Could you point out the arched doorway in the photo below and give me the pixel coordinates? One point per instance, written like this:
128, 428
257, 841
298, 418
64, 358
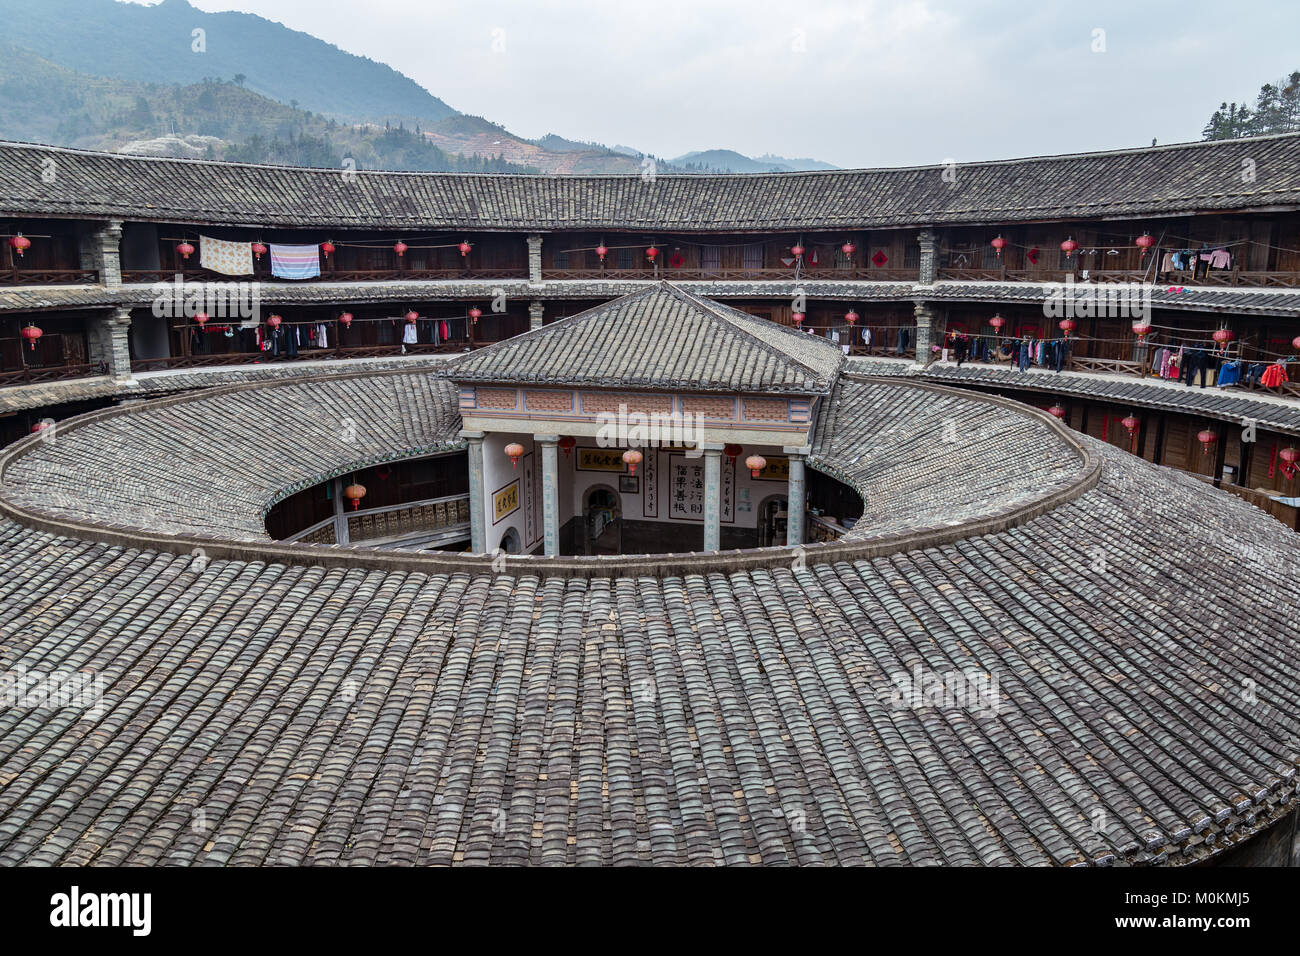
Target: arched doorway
603, 521
510, 541
772, 516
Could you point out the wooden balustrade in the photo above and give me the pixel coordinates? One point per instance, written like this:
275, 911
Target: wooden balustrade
1084, 363
151, 276
52, 373
419, 523
737, 275
49, 277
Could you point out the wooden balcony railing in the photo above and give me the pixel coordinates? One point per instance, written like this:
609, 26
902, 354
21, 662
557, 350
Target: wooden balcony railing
737, 275
413, 524
305, 355
1082, 363
51, 373
150, 276
49, 277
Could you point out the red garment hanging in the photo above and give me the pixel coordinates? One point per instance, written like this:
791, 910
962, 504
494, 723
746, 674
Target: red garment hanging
1274, 375
446, 330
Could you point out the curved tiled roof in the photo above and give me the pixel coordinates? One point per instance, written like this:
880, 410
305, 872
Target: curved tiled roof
286, 712
663, 338
214, 463
1181, 178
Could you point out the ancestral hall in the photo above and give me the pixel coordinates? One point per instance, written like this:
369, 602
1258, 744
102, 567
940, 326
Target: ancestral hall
660, 391
709, 520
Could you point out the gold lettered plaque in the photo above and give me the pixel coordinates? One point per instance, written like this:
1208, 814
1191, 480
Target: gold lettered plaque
778, 469
601, 459
505, 501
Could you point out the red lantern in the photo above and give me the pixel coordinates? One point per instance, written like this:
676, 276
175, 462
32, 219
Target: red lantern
1067, 326
998, 245
1223, 336
20, 244
201, 318
1141, 330
259, 250
632, 458
732, 452
1130, 424
851, 317
755, 464
567, 442
274, 321
1207, 438
474, 315
602, 251
41, 426
797, 250
515, 451
651, 253
185, 249
997, 322
1295, 342
327, 248
400, 248
797, 318
1289, 455
345, 320
354, 493
464, 247
1068, 247
412, 317
1056, 411
1145, 242
848, 249
31, 333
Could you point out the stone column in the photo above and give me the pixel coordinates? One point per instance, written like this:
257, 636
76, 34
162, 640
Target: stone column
925, 324
101, 250
550, 493
535, 260
796, 500
535, 312
477, 503
109, 342
712, 497
929, 241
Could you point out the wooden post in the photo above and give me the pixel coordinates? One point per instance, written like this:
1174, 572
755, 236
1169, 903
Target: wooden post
1243, 463
1219, 456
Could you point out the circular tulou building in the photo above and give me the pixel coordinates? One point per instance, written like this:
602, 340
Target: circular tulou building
585, 528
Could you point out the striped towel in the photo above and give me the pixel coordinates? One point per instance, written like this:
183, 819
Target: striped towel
295, 262
226, 257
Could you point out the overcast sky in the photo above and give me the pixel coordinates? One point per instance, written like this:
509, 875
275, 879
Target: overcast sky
880, 82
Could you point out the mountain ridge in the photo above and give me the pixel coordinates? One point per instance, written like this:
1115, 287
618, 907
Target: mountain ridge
170, 79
